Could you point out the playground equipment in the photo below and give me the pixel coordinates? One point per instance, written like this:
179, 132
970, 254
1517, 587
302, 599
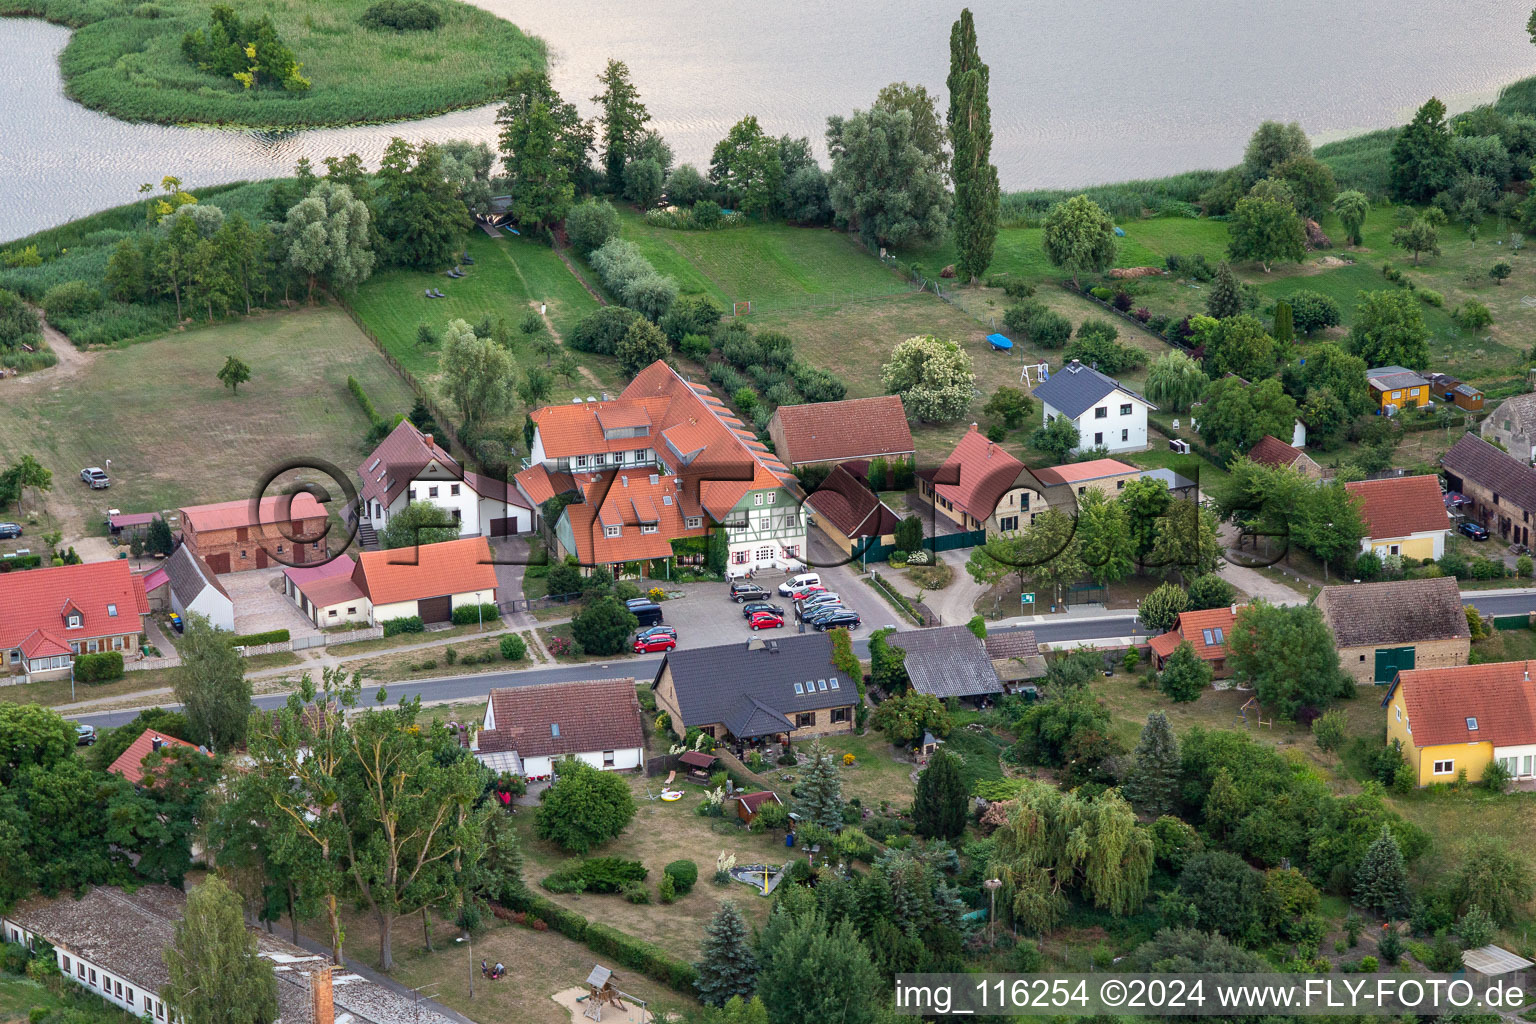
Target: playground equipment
603, 990
1042, 372
1252, 704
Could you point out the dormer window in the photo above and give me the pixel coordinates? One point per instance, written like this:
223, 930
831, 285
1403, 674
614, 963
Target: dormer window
612, 531
694, 522
72, 621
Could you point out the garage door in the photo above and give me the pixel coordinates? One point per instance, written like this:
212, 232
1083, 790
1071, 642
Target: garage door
435, 609
1392, 660
220, 562
504, 527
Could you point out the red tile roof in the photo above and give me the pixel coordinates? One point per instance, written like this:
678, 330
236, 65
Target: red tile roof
577, 429
130, 763
594, 715
753, 801
1271, 451
1193, 626
859, 428
982, 473
1499, 696
1399, 506
1080, 472
228, 515
43, 643
327, 584
843, 501
398, 460
539, 484
426, 570
35, 599
626, 498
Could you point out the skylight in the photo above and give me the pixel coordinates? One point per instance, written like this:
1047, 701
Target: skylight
112, 610
1472, 725
799, 688
821, 684
1209, 640
834, 682
554, 728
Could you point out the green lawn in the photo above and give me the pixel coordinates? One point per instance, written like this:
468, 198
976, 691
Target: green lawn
775, 266
510, 277
20, 996
176, 436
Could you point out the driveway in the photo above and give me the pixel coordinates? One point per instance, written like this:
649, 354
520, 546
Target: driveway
260, 605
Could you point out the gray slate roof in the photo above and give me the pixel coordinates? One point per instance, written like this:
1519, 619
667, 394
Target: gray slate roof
711, 682
1472, 458
1394, 612
1386, 378
1075, 388
754, 718
947, 661
190, 576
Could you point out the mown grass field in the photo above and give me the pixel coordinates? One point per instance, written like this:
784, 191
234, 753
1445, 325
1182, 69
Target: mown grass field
176, 435
128, 62
775, 266
510, 277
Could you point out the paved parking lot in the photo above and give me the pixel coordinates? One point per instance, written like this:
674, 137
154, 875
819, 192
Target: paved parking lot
260, 605
706, 616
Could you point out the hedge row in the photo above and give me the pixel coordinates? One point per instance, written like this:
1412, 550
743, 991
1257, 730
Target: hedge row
374, 419
271, 636
636, 954
21, 562
469, 614
408, 624
99, 668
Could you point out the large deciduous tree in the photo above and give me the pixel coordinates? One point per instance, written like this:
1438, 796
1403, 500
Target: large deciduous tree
1079, 237
933, 376
1045, 554
212, 688
1236, 414
1388, 330
216, 975
584, 808
746, 168
421, 217
624, 118
478, 374
1423, 159
1185, 675
1104, 539
328, 237
1175, 381
544, 146
1266, 231
970, 133
883, 183
1288, 655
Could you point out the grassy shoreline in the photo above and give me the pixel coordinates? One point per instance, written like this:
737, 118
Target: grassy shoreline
125, 60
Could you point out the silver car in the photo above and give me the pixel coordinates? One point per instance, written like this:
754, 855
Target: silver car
816, 600
96, 477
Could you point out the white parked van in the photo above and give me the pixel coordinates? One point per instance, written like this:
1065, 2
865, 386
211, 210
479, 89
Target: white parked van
800, 582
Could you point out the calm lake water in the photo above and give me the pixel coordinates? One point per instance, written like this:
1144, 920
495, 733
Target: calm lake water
1080, 93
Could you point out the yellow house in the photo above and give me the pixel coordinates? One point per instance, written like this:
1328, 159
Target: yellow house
1455, 720
1395, 387
1403, 515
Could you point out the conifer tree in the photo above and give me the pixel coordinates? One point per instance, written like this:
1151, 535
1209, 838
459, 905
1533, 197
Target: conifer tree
727, 966
1185, 675
1149, 787
939, 809
1285, 324
970, 132
1381, 881
1226, 298
821, 790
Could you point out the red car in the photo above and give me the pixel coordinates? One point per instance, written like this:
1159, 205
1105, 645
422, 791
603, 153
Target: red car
654, 642
805, 592
766, 620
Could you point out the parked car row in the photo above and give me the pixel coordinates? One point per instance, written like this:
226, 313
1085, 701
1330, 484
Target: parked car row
814, 604
655, 638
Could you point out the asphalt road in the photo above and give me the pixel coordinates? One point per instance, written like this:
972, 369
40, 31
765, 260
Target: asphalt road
474, 687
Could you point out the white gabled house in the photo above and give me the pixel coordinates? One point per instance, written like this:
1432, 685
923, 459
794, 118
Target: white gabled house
527, 729
1107, 414
411, 466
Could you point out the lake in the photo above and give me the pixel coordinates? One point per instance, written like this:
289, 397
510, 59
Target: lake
1080, 93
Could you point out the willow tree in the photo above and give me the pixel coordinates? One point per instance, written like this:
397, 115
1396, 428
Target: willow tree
970, 134
1055, 841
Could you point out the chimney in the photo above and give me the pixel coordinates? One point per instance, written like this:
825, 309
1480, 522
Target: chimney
320, 996
756, 644
973, 426
1234, 609
427, 438
155, 743
625, 479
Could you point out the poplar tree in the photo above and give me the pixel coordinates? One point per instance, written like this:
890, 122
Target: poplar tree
726, 964
1150, 785
938, 811
216, 975
970, 133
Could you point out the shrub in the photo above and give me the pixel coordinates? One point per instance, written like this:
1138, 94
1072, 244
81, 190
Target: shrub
1313, 311
72, 299
1328, 730
632, 279
601, 330
469, 614
402, 16
591, 224
408, 624
513, 648
684, 875
1101, 293
641, 956
99, 668
1430, 297
666, 891
595, 874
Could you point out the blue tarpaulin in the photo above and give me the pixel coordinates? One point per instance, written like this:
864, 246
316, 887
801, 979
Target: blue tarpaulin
1119, 232
999, 342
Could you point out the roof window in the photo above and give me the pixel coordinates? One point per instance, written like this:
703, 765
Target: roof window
800, 688
112, 610
834, 682
554, 729
1472, 725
